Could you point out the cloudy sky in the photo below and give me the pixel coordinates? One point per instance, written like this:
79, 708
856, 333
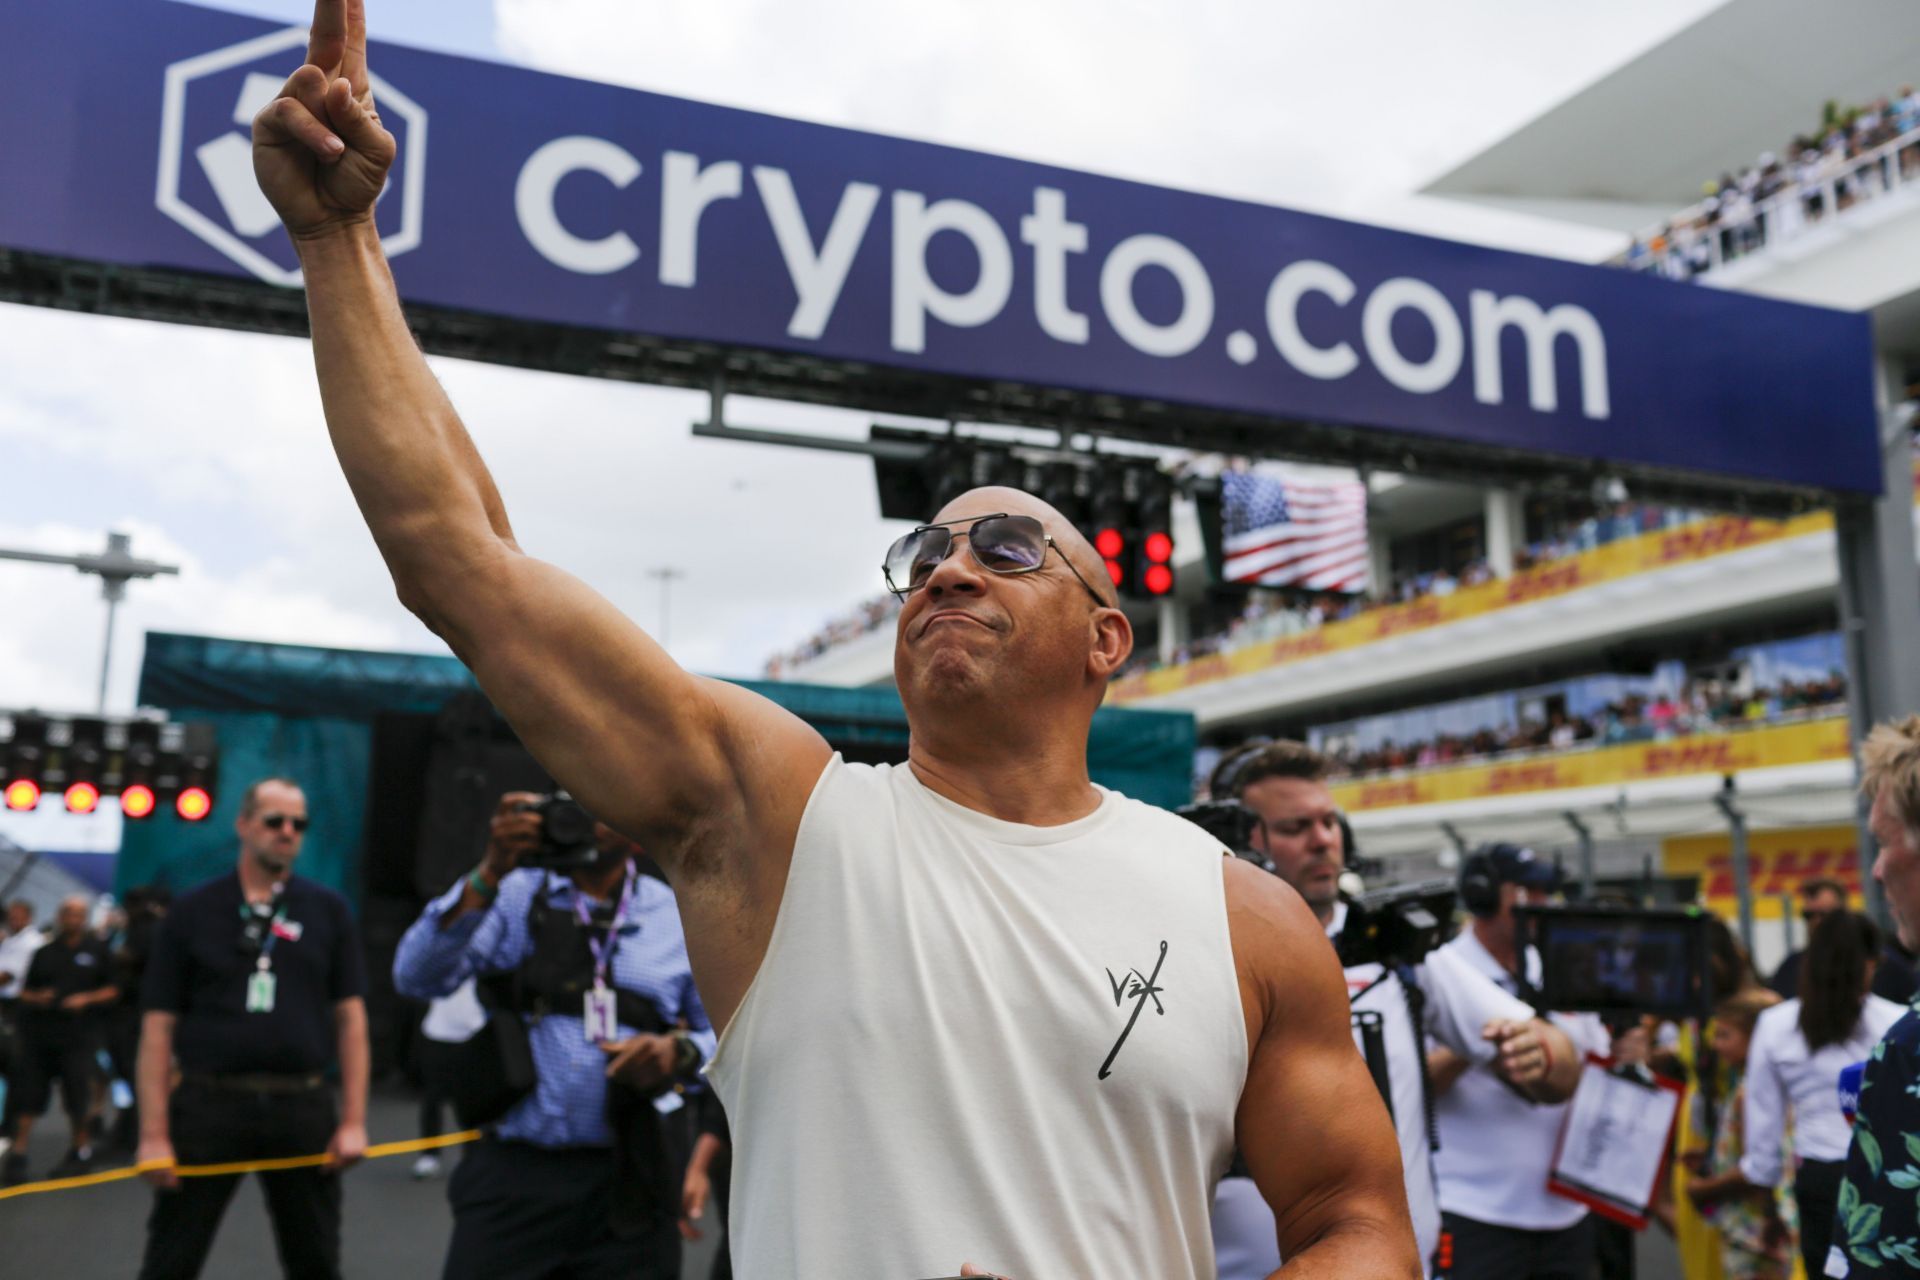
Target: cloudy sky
115, 424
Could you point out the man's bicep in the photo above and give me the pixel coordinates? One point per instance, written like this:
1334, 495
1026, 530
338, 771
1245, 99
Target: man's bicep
1317, 1138
611, 716
1312, 1127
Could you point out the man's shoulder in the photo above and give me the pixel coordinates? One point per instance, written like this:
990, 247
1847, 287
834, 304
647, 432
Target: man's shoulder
1270, 923
311, 892
213, 891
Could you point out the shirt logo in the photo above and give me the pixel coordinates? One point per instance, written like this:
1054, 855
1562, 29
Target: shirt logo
288, 929
1132, 985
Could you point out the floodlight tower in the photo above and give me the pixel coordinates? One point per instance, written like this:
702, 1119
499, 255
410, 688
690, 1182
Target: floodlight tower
115, 568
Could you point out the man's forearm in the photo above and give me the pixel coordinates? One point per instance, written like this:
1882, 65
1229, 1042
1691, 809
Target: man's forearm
413, 469
1354, 1249
152, 1072
1563, 1076
1444, 1066
350, 1023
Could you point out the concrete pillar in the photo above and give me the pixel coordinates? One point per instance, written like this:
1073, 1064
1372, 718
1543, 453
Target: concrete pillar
1880, 601
1506, 530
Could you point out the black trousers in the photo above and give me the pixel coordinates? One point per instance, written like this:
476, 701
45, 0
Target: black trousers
48, 1053
522, 1212
216, 1125
1816, 1186
1484, 1251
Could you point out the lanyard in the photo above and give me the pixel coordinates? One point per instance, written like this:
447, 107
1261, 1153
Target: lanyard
264, 960
603, 947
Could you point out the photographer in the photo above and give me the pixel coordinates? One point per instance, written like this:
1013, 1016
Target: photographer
1496, 1148
1299, 833
576, 1177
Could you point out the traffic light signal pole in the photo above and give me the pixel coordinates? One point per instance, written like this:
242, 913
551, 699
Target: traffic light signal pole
115, 568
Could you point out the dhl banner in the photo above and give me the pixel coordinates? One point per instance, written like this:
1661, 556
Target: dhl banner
1778, 863
1805, 742
1682, 544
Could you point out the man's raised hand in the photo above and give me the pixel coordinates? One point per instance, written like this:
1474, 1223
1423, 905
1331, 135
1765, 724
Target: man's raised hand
319, 151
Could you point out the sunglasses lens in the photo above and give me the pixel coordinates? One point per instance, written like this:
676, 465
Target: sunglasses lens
911, 559
1009, 544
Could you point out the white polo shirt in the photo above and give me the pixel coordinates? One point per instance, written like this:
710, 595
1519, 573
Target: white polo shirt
1496, 1147
1782, 1075
1458, 1004
16, 953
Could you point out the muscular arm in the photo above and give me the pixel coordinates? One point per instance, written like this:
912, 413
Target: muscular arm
1311, 1125
598, 703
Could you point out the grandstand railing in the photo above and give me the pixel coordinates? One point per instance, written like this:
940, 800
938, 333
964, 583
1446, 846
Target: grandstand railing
1779, 219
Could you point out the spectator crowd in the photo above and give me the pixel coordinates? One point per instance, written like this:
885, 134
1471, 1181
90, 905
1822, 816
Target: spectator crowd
1823, 172
1702, 707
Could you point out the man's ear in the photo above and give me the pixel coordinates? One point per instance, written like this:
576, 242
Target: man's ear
1112, 643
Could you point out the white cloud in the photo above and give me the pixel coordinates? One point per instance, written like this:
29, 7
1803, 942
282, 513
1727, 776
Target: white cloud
1337, 108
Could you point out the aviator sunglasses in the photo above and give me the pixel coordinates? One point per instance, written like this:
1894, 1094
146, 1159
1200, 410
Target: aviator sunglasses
274, 821
999, 543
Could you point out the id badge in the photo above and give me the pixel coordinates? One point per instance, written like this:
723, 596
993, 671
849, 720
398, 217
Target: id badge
602, 1025
260, 991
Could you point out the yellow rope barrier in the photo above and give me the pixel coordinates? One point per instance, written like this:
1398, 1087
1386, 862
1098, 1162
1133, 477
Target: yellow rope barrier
374, 1152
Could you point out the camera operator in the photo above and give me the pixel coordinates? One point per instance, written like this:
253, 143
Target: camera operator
1500, 1222
1299, 833
577, 1176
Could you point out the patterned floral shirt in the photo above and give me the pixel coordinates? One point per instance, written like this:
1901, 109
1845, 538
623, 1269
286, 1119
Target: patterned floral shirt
1877, 1229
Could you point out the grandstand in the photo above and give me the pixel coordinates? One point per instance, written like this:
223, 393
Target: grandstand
1532, 665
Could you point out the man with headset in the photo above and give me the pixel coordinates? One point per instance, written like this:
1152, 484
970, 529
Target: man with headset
1500, 1221
1300, 833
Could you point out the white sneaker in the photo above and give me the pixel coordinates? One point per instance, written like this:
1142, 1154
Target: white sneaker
427, 1166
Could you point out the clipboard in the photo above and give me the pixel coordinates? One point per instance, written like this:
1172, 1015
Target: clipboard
1616, 1141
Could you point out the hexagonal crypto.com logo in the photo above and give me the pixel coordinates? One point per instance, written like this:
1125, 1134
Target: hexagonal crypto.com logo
206, 154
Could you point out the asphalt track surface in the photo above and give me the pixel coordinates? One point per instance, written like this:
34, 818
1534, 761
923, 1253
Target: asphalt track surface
391, 1225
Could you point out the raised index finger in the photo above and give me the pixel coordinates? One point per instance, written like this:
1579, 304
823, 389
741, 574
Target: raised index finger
337, 41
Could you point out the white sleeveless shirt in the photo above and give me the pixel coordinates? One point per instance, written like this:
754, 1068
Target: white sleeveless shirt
977, 1040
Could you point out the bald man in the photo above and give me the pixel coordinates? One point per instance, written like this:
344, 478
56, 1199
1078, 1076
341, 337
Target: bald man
69, 983
978, 1012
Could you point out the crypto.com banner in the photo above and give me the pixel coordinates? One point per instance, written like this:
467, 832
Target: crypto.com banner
558, 200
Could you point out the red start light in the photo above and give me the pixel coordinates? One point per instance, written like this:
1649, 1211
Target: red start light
1159, 579
1159, 547
193, 804
136, 801
1108, 543
83, 797
22, 794
1115, 572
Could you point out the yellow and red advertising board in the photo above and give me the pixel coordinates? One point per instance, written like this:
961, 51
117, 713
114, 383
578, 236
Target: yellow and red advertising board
1779, 862
1683, 544
1803, 742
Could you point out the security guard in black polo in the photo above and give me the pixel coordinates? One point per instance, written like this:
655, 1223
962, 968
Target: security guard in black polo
256, 985
69, 982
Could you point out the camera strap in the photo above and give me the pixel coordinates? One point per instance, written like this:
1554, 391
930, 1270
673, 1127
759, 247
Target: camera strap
601, 1021
1417, 1010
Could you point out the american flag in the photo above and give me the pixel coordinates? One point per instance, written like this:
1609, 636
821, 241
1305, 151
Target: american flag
1282, 533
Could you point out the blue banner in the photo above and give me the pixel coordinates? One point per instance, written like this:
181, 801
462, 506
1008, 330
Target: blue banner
549, 199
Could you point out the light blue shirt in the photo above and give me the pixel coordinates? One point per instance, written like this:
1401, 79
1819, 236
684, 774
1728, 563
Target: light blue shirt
568, 1106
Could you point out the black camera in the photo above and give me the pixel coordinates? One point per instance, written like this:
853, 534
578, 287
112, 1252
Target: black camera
1229, 822
1614, 960
566, 834
1397, 925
